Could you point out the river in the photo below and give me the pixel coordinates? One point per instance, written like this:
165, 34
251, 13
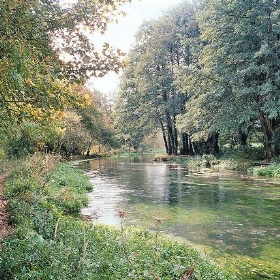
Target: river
232, 217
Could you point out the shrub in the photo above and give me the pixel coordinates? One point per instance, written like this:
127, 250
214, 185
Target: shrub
272, 170
243, 152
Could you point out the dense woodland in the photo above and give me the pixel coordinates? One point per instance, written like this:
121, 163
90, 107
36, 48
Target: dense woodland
47, 56
204, 75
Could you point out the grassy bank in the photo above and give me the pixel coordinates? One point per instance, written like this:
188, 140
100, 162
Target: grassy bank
272, 170
264, 169
51, 242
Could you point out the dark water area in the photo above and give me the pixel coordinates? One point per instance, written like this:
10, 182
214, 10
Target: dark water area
233, 217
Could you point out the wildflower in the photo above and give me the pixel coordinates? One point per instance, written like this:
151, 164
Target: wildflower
159, 220
122, 214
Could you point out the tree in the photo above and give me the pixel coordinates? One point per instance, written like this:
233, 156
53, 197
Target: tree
75, 139
149, 99
128, 115
96, 118
43, 48
28, 137
240, 62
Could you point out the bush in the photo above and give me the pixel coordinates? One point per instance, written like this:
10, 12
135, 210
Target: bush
83, 252
206, 160
272, 170
243, 153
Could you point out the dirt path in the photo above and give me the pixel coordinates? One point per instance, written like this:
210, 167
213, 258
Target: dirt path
5, 228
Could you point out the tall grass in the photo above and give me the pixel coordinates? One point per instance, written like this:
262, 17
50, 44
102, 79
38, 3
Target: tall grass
272, 170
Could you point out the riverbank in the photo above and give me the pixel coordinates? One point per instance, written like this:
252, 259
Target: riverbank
5, 228
227, 213
50, 241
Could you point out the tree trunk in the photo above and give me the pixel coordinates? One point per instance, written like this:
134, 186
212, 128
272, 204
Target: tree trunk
169, 144
210, 146
172, 135
276, 142
175, 139
243, 137
164, 137
196, 147
185, 144
267, 136
187, 147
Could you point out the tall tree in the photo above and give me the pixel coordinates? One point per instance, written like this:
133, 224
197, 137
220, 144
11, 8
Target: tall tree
43, 47
127, 112
96, 118
148, 83
241, 64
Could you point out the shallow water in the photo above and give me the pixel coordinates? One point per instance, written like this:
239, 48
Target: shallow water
230, 216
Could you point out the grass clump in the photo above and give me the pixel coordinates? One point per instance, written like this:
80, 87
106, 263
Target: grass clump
50, 241
272, 170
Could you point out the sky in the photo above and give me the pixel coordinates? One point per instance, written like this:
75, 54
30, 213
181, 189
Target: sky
121, 35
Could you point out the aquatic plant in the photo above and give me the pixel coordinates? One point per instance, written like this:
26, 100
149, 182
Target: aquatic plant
272, 170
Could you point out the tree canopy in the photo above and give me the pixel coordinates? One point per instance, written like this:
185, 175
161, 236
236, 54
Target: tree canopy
149, 100
46, 50
44, 46
241, 63
205, 71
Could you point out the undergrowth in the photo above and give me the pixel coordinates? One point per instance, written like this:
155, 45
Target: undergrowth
272, 170
50, 241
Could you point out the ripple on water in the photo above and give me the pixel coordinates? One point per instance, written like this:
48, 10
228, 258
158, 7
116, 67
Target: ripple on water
105, 201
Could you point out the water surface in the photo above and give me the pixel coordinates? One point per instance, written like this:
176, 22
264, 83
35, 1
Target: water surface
230, 216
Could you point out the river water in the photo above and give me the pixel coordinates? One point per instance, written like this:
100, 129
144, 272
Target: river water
230, 216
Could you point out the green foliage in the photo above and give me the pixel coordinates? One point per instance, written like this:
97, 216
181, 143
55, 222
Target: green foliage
44, 51
48, 243
67, 193
272, 170
73, 133
239, 158
149, 101
65, 190
35, 71
97, 252
243, 153
204, 161
240, 67
21, 140
75, 139
96, 117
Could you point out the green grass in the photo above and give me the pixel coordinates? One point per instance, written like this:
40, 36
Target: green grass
272, 170
50, 241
